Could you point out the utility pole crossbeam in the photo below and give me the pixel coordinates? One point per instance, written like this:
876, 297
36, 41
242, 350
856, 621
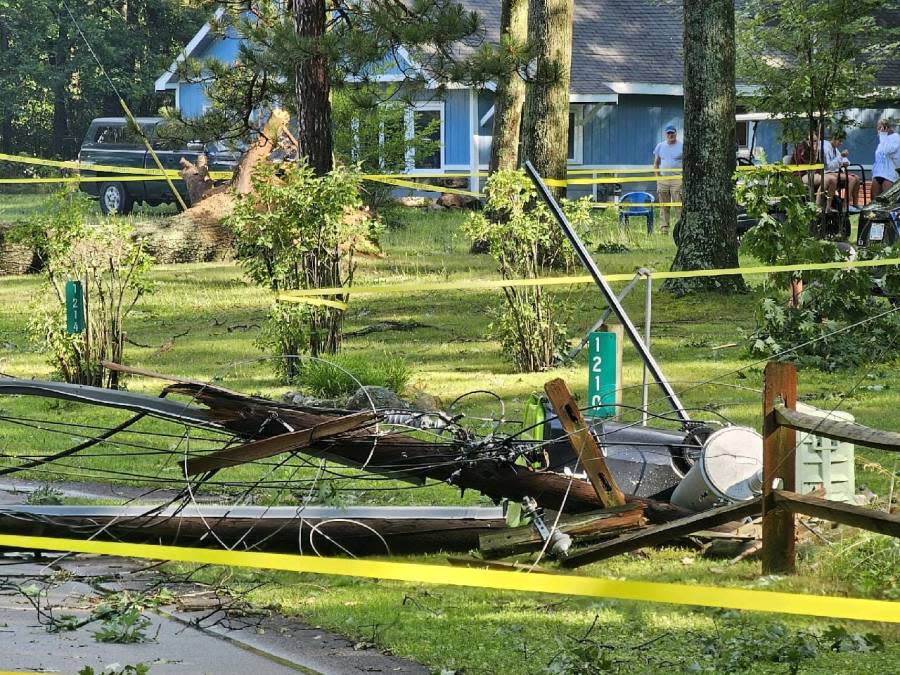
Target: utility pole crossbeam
585, 445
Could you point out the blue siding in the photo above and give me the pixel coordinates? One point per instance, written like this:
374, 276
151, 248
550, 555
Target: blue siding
192, 96
485, 131
626, 132
861, 138
456, 127
192, 99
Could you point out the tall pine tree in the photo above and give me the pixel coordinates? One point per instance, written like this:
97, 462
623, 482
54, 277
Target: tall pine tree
510, 93
546, 116
707, 235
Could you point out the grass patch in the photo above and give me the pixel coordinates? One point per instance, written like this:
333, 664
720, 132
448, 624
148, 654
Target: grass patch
342, 374
202, 322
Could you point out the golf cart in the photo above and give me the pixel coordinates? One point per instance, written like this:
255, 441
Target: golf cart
879, 222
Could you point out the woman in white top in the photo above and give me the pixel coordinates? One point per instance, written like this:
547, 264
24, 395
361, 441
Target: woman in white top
887, 158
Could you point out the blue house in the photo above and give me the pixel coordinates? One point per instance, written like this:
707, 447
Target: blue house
626, 87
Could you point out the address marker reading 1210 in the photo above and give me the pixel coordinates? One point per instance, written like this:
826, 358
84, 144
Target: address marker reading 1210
602, 382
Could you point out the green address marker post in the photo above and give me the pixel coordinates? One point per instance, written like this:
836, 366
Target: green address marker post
74, 307
603, 374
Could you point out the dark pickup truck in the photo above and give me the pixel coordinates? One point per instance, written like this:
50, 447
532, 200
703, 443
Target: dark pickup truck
113, 141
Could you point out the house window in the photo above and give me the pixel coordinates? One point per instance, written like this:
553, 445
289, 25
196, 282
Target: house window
575, 145
425, 122
742, 134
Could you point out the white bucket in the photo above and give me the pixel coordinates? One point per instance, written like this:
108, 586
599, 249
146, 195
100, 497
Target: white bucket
724, 473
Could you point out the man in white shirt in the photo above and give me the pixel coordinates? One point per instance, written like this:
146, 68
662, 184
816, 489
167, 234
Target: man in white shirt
887, 158
834, 158
668, 155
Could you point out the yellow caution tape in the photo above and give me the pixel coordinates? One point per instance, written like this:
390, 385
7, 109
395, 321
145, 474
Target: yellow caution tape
106, 168
81, 179
318, 302
856, 609
423, 187
482, 284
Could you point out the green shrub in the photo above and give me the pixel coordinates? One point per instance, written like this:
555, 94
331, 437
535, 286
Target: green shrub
808, 326
114, 270
342, 374
297, 231
520, 234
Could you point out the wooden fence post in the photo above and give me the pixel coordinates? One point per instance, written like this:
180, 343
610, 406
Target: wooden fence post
779, 444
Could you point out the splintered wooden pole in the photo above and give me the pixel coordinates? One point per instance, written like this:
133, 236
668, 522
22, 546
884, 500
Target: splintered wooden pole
779, 443
589, 454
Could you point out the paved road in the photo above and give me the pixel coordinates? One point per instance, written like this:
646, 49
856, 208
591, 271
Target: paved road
74, 586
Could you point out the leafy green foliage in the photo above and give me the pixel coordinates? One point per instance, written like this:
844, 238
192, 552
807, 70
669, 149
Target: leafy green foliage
372, 128
45, 495
296, 231
815, 330
519, 233
363, 39
126, 627
117, 669
804, 56
343, 374
114, 270
50, 86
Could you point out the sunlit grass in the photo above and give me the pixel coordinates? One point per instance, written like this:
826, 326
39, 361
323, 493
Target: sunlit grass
454, 628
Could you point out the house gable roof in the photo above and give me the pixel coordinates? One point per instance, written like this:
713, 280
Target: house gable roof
619, 47
168, 80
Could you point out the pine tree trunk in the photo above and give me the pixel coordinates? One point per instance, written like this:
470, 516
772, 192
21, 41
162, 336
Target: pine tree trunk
6, 129
510, 94
546, 124
60, 128
707, 234
312, 85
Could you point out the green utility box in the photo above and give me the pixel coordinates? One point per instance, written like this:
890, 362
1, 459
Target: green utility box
823, 461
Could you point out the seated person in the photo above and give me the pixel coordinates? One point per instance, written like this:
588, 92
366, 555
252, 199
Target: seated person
804, 153
887, 158
834, 158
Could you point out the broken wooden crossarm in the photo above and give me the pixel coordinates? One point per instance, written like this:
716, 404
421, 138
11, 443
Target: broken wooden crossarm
665, 533
582, 528
589, 454
267, 447
839, 430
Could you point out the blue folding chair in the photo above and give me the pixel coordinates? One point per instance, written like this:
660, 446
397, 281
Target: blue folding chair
640, 211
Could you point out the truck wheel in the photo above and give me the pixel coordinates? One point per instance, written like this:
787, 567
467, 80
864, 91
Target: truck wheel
114, 198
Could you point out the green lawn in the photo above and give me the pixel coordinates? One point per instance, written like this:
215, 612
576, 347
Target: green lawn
216, 315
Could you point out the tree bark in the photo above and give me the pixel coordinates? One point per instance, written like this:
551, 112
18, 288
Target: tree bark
546, 124
510, 94
312, 86
60, 129
707, 232
6, 114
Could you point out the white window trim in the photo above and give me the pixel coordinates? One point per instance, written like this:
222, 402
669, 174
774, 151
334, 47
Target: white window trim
577, 111
410, 134
746, 123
